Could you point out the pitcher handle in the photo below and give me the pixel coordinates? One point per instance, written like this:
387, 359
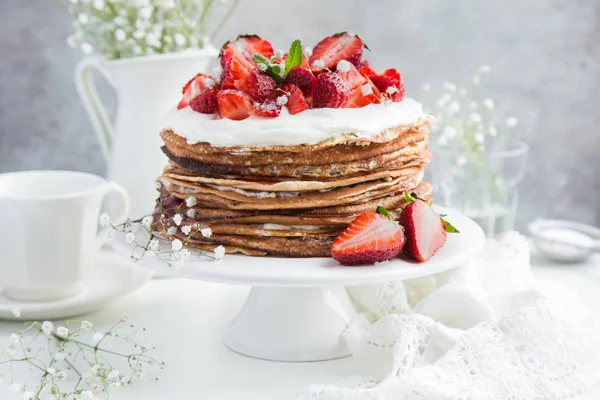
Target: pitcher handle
122, 210
91, 101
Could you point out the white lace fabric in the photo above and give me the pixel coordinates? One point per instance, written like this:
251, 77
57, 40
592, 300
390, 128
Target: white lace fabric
486, 331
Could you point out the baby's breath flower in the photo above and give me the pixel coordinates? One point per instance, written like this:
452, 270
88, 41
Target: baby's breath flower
16, 312
319, 64
62, 331
185, 254
366, 89
16, 339
47, 327
476, 80
282, 100
219, 252
15, 387
104, 219
176, 245
27, 395
450, 131
129, 237
86, 325
51, 371
461, 160
475, 117
493, 131
186, 229
177, 219
343, 66
147, 221
206, 232
60, 356
511, 122
191, 213
217, 71
153, 245
83, 19
171, 230
97, 337
87, 395
473, 105
120, 35
453, 108
479, 137
98, 5
489, 104
308, 51
113, 374
442, 140
87, 48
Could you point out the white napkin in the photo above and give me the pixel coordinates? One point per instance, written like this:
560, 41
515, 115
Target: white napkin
485, 331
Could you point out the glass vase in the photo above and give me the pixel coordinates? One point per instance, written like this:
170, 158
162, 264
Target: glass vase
482, 185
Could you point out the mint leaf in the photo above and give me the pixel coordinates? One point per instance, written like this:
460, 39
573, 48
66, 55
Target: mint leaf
381, 210
294, 57
449, 227
266, 66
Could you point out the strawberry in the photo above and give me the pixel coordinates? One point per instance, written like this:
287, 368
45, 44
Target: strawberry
425, 232
194, 87
243, 48
389, 82
296, 100
206, 102
236, 58
330, 91
361, 97
352, 77
302, 78
332, 49
371, 237
257, 85
269, 108
363, 63
233, 104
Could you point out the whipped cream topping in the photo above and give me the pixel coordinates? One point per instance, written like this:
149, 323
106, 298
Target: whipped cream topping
308, 127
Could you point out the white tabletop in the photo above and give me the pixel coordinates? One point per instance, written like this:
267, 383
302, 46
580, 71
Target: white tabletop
185, 320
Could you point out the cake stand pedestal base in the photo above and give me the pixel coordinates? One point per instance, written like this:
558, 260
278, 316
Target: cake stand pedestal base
292, 324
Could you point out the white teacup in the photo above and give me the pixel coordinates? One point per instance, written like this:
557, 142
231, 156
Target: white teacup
49, 231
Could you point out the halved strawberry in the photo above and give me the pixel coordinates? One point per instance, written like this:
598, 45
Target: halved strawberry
236, 58
332, 49
296, 101
363, 95
206, 102
269, 108
194, 87
352, 77
371, 237
425, 232
234, 104
244, 47
302, 78
330, 91
257, 85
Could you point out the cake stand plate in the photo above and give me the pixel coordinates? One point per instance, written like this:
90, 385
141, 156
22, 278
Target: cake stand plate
298, 307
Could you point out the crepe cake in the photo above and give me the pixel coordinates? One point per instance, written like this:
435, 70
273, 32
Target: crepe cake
277, 153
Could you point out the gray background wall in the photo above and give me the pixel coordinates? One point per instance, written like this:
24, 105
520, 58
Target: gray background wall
545, 57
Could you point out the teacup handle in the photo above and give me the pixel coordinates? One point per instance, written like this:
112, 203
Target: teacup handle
91, 101
122, 209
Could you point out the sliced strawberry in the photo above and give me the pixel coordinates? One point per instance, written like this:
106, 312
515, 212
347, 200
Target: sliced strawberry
361, 97
332, 49
234, 104
269, 108
370, 238
363, 63
367, 71
194, 87
243, 48
206, 102
296, 101
352, 77
330, 91
257, 85
425, 233
234, 71
389, 82
302, 78
236, 58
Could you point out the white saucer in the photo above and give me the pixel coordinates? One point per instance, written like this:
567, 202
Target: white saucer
112, 276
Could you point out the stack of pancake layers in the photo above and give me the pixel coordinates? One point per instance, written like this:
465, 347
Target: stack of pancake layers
287, 200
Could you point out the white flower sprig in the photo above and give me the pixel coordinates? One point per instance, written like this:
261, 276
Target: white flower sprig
144, 239
465, 121
130, 28
66, 366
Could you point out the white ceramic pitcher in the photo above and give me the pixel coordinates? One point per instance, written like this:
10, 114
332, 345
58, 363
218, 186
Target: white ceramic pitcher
147, 87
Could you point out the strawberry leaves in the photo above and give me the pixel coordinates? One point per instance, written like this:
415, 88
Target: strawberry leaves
447, 225
381, 210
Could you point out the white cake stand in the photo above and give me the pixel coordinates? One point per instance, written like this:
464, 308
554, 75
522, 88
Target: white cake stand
298, 307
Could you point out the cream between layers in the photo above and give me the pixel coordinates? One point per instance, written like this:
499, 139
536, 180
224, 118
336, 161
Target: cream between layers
308, 127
